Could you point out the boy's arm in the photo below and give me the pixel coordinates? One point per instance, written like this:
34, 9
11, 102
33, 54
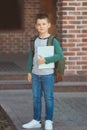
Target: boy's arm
29, 77
58, 53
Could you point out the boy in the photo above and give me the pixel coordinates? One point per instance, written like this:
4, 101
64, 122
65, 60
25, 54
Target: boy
42, 79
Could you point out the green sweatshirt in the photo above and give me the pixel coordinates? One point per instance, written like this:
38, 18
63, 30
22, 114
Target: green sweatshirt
57, 56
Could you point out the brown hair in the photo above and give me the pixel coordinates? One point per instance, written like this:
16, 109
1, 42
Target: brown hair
42, 16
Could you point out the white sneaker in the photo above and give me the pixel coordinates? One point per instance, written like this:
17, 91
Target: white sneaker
32, 124
48, 125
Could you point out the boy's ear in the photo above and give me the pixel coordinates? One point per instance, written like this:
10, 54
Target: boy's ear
49, 24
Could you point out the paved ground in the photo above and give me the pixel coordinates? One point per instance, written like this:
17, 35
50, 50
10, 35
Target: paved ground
70, 109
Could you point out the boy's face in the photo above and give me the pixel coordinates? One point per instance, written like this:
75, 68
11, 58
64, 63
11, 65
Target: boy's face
42, 25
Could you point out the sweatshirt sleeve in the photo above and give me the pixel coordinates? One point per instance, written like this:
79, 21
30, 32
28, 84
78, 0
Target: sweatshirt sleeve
58, 53
30, 61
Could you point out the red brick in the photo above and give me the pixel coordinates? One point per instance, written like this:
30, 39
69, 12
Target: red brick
84, 13
68, 8
81, 53
82, 63
81, 8
81, 35
81, 26
68, 26
84, 31
68, 36
84, 67
82, 73
84, 22
69, 45
74, 22
74, 13
74, 67
69, 53
64, 22
68, 0
84, 3
74, 49
75, 4
84, 40
84, 49
70, 63
74, 58
84, 58
74, 31
71, 73
82, 17
82, 44
74, 40
68, 17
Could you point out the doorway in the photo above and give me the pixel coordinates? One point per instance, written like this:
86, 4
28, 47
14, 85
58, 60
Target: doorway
49, 7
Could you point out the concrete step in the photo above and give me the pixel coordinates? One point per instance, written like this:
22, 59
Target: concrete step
14, 84
58, 87
13, 76
19, 81
13, 80
71, 86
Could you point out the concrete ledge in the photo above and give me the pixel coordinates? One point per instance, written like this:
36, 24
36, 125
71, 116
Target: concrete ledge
71, 87
59, 87
11, 115
71, 84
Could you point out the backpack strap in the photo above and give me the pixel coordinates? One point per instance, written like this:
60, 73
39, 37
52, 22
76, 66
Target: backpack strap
50, 40
32, 43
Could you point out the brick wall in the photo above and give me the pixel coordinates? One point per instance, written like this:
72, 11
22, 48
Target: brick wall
18, 41
72, 19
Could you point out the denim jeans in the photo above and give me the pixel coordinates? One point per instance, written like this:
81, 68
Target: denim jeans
43, 84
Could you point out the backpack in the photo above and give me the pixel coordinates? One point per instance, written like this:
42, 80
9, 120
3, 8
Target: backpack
59, 65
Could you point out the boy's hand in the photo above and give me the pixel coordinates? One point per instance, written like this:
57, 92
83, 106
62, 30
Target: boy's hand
41, 60
29, 77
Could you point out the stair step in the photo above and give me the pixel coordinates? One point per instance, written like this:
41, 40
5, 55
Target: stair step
19, 81
13, 80
7, 82
71, 84
14, 86
13, 76
71, 87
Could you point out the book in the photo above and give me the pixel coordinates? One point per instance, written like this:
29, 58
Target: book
46, 51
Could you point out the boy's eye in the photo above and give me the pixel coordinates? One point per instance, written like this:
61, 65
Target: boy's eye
41, 24
38, 24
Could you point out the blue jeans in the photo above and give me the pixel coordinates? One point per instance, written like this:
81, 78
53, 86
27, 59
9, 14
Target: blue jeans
43, 84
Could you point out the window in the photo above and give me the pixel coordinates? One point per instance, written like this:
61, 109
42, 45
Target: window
11, 14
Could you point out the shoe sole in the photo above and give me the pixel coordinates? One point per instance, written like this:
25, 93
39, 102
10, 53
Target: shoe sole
31, 127
48, 129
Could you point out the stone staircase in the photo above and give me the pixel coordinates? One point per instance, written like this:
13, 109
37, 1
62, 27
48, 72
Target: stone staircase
14, 81
13, 76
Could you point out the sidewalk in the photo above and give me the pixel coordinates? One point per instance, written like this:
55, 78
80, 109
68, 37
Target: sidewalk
70, 109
